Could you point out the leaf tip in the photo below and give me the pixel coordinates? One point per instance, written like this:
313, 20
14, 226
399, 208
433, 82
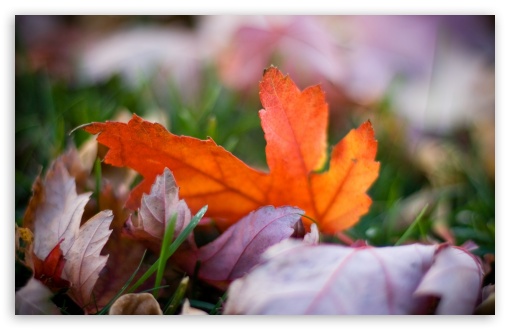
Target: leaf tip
273, 71
270, 67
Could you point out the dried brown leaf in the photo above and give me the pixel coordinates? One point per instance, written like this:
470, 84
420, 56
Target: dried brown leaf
136, 304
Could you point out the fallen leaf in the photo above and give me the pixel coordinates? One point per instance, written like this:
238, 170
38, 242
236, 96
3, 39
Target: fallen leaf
202, 179
58, 216
298, 278
294, 124
136, 304
156, 210
454, 275
226, 258
239, 248
124, 253
68, 252
35, 299
84, 262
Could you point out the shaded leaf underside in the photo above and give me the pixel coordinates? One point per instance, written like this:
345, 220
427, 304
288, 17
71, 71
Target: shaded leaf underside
297, 278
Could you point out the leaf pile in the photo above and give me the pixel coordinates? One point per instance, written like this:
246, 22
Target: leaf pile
66, 255
230, 255
267, 254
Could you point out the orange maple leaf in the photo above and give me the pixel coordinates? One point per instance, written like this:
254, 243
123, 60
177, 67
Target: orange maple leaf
294, 123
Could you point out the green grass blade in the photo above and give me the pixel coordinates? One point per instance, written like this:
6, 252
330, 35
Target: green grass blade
175, 302
155, 288
412, 227
163, 255
173, 247
219, 304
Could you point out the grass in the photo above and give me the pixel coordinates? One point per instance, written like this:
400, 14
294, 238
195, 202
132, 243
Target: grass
166, 252
408, 205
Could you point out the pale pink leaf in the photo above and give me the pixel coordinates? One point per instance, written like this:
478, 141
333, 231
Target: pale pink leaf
455, 278
35, 299
298, 278
58, 216
57, 219
157, 209
239, 248
312, 237
84, 261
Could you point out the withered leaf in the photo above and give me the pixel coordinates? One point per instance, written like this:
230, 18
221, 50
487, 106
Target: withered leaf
63, 250
35, 299
156, 210
83, 260
239, 248
298, 278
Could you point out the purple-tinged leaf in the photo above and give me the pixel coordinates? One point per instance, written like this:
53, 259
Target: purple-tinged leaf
239, 248
35, 299
67, 255
58, 215
297, 278
156, 210
83, 260
453, 278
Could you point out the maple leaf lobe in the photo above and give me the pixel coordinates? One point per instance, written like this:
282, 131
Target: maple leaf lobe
294, 124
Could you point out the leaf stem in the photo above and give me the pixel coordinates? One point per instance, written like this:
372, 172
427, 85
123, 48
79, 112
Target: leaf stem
309, 218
